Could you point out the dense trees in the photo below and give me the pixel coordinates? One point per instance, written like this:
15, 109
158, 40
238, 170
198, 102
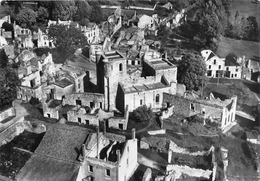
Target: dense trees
8, 81
142, 114
83, 10
43, 14
78, 10
67, 39
26, 17
243, 28
63, 10
96, 14
210, 21
191, 71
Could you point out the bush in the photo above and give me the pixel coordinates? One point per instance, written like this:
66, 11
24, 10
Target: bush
143, 114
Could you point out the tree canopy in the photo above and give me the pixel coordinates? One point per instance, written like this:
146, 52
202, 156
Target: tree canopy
191, 71
9, 81
96, 14
63, 10
67, 39
143, 114
83, 10
26, 17
242, 27
43, 14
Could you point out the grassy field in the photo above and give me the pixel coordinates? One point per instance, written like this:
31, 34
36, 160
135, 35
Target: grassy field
239, 47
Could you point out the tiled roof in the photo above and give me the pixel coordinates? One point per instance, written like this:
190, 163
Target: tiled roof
62, 142
63, 83
231, 60
42, 168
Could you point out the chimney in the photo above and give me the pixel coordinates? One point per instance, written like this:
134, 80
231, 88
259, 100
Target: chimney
118, 155
165, 55
105, 129
83, 150
133, 133
169, 156
97, 142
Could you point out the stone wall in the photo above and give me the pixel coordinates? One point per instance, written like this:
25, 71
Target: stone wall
169, 73
49, 112
26, 93
181, 89
12, 131
7, 113
179, 170
147, 175
86, 99
136, 99
99, 168
59, 92
118, 123
82, 118
167, 112
188, 107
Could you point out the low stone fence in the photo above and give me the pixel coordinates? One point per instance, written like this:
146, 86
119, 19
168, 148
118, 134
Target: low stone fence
7, 113
13, 130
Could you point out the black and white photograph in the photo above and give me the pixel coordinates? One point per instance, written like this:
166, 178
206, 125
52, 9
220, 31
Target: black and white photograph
129, 90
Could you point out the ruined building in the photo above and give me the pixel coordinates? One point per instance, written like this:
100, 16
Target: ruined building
216, 110
107, 156
134, 88
41, 78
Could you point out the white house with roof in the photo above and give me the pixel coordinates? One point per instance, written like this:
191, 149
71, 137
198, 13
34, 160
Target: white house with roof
215, 65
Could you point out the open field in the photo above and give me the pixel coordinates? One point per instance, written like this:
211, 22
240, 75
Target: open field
239, 47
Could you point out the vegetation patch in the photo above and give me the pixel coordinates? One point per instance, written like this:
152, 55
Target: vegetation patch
14, 154
238, 47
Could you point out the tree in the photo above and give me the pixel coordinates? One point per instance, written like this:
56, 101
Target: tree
251, 29
84, 22
83, 10
191, 71
43, 14
67, 39
143, 114
26, 17
9, 82
208, 23
96, 14
63, 10
3, 59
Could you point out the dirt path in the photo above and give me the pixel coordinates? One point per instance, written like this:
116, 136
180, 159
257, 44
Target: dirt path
149, 163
